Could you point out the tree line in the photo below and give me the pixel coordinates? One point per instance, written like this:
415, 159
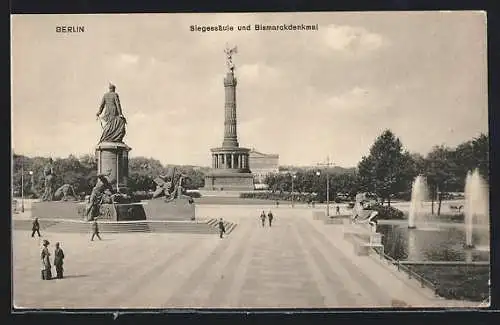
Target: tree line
389, 170
80, 172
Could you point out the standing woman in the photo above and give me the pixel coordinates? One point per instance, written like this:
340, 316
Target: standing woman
46, 267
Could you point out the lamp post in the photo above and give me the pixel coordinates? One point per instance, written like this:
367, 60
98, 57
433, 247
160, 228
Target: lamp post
32, 180
22, 186
327, 165
293, 178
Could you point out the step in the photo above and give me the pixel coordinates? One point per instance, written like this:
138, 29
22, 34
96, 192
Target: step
111, 227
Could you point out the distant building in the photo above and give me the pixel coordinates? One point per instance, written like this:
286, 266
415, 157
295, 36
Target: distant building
263, 164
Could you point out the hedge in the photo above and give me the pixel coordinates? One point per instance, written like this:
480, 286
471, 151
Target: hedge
284, 196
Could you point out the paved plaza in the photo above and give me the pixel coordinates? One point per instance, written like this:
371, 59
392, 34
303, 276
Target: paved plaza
298, 263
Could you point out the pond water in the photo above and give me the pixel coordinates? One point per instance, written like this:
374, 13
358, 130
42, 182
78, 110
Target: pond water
464, 282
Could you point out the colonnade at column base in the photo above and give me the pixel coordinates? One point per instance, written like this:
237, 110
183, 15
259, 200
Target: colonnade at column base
229, 181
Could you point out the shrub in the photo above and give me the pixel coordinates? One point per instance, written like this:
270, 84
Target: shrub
194, 194
142, 195
388, 213
277, 196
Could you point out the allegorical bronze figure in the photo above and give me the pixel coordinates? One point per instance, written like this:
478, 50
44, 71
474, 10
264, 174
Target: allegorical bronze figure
114, 127
48, 173
229, 56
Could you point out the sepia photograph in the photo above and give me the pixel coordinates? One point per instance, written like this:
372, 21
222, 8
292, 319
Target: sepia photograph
250, 160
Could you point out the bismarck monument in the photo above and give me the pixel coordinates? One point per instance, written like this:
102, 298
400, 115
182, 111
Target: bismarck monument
230, 163
110, 198
111, 151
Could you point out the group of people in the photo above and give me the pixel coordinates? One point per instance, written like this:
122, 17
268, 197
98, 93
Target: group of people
58, 252
58, 261
269, 216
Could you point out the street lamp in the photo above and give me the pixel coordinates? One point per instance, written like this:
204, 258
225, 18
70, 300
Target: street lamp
22, 186
327, 165
32, 180
293, 178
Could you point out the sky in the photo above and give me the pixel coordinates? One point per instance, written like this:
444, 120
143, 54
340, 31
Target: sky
304, 95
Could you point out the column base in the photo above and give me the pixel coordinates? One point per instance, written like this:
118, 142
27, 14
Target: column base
112, 157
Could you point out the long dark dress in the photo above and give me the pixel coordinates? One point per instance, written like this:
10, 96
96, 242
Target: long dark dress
114, 130
46, 267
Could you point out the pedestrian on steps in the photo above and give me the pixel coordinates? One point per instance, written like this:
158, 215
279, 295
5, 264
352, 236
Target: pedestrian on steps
263, 218
35, 228
222, 229
95, 230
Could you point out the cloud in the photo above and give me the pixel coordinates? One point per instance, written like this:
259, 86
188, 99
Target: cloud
330, 90
352, 39
128, 58
355, 98
258, 73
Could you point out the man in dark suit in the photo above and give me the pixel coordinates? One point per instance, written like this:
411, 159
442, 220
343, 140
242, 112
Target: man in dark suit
58, 261
270, 218
222, 229
263, 218
35, 228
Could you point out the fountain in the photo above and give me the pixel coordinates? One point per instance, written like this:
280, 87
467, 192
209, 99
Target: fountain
419, 194
476, 208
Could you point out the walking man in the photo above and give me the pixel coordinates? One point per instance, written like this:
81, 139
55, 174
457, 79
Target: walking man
95, 230
338, 210
35, 228
270, 218
45, 256
263, 218
58, 261
222, 229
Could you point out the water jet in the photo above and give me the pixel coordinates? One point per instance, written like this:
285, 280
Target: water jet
419, 194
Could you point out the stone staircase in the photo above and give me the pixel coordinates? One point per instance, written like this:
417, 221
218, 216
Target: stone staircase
228, 225
27, 224
75, 226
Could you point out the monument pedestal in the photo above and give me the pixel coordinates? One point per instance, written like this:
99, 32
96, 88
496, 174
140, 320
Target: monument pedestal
113, 157
230, 170
55, 210
221, 181
117, 212
176, 209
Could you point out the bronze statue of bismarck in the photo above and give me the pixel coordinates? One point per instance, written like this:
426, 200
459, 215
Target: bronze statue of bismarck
114, 129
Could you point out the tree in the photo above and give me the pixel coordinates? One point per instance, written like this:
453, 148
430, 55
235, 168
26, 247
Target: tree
473, 154
382, 171
441, 172
142, 172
